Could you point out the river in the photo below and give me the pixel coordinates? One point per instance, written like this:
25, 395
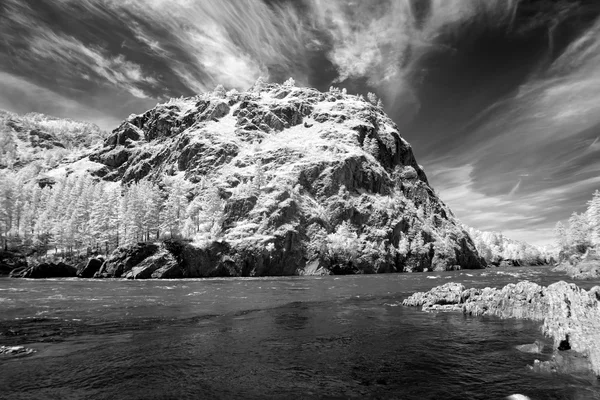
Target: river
332, 337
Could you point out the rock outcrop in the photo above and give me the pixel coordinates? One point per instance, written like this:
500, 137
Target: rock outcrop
90, 268
300, 178
45, 270
570, 315
15, 351
583, 267
10, 261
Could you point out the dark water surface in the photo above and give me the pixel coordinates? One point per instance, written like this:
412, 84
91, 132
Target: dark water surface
293, 337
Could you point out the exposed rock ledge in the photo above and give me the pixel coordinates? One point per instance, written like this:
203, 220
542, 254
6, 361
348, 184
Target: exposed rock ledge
570, 315
586, 266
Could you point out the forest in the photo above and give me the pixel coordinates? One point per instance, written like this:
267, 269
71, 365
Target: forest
582, 231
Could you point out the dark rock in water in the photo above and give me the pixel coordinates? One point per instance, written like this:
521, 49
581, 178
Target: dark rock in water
46, 270
570, 315
123, 259
10, 261
91, 267
153, 266
534, 348
15, 351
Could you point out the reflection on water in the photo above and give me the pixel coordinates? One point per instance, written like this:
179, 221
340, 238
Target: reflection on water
330, 337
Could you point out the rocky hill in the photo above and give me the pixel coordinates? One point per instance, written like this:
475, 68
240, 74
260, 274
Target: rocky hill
308, 182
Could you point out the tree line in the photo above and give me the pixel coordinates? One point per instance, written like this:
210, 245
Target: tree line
79, 212
582, 230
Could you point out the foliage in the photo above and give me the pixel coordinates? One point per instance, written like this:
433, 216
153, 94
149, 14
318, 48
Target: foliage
495, 247
582, 230
343, 244
79, 212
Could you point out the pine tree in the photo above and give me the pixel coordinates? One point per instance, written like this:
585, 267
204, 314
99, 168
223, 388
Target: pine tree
372, 97
403, 245
560, 232
173, 215
220, 91
578, 232
593, 216
258, 180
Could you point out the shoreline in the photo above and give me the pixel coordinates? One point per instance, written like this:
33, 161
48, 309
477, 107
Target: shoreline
568, 314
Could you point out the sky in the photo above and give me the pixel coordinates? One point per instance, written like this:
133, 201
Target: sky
500, 99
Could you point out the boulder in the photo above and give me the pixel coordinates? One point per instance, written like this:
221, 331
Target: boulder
123, 259
10, 261
147, 268
6, 351
46, 270
91, 267
534, 348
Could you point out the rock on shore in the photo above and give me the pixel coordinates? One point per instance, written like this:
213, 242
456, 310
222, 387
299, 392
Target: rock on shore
570, 315
582, 267
45, 270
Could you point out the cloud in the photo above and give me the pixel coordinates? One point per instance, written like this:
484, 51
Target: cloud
384, 41
21, 96
230, 43
69, 52
530, 217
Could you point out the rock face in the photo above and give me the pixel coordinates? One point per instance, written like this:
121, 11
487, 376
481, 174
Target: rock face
90, 268
10, 261
304, 178
45, 270
570, 315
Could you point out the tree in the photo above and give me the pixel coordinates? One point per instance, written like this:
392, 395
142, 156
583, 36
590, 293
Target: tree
593, 217
258, 180
220, 91
578, 233
372, 97
560, 232
173, 213
371, 146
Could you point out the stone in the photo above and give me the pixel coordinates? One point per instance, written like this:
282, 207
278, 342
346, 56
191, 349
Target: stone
91, 267
534, 348
15, 351
10, 261
46, 270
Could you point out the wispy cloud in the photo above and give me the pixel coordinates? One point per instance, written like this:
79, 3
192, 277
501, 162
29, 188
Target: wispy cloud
91, 62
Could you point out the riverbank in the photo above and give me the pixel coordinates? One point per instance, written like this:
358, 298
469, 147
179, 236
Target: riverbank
180, 337
570, 314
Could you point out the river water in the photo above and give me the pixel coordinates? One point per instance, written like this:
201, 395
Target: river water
332, 337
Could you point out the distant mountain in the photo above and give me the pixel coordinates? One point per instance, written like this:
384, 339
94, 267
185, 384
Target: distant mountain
278, 180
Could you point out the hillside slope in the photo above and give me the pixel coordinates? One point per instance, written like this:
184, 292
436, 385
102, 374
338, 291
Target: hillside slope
298, 181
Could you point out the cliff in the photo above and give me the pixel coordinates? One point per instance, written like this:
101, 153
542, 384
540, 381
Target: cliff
310, 182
